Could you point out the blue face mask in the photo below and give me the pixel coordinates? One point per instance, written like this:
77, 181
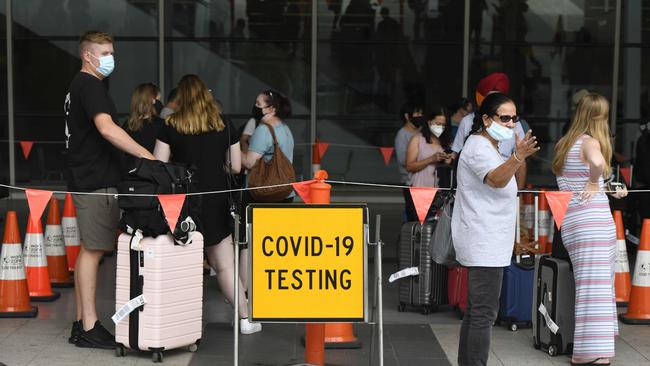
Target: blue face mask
499, 132
106, 64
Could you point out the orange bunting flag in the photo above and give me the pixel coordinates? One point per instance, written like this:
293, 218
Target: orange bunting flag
37, 200
627, 174
303, 190
172, 205
559, 203
27, 148
387, 152
422, 198
322, 147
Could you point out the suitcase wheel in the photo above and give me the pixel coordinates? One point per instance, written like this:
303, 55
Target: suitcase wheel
157, 357
552, 351
513, 327
401, 307
193, 347
120, 351
426, 310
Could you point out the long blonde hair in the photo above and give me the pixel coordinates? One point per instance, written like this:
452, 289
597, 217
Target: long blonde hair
142, 107
198, 112
590, 118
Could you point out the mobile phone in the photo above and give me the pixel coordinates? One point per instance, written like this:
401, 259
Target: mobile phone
612, 186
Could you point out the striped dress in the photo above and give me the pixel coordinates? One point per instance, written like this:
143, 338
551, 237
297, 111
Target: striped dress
589, 235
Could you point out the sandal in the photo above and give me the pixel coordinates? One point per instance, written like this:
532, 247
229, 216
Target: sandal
590, 363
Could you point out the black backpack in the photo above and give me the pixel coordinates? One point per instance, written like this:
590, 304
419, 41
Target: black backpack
144, 213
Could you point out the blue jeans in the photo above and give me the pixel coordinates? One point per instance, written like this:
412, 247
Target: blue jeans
483, 292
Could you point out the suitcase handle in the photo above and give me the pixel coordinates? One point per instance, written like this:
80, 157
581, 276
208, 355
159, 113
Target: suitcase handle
416, 260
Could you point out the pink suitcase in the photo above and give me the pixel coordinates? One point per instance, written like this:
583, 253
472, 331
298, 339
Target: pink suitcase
170, 278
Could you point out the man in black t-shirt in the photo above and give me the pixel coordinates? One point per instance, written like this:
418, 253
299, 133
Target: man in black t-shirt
93, 141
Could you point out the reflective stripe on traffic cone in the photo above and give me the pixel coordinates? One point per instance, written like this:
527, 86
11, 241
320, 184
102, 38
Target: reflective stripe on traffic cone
340, 335
14, 294
528, 211
70, 232
38, 278
638, 310
544, 223
315, 157
57, 262
622, 281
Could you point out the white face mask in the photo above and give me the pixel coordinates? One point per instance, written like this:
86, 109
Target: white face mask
437, 130
499, 132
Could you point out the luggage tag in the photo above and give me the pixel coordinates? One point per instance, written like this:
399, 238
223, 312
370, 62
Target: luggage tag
411, 271
135, 240
128, 308
549, 322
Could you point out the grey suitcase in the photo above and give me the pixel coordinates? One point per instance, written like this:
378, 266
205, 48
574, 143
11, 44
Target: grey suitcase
429, 289
555, 289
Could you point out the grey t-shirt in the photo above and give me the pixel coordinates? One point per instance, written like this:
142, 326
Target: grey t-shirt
401, 144
166, 112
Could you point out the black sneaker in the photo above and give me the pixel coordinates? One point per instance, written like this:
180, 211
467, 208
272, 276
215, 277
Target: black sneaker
75, 332
98, 337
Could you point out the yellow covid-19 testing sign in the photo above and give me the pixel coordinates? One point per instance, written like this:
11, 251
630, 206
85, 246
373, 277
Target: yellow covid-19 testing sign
307, 263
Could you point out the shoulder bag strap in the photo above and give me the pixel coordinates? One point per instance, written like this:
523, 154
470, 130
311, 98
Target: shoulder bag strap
271, 129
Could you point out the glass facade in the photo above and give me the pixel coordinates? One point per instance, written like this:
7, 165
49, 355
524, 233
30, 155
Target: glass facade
371, 57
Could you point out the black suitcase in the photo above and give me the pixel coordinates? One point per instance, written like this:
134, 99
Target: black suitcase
429, 289
555, 289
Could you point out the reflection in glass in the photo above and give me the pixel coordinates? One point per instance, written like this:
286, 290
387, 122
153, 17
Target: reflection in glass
45, 18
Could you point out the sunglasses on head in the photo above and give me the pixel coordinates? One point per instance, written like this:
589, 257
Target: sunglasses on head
505, 118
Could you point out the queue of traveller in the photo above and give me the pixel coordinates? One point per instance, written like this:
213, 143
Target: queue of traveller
489, 153
190, 129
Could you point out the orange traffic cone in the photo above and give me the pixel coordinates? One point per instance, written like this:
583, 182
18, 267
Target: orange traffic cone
621, 267
70, 232
14, 295
544, 223
638, 310
38, 278
337, 335
340, 335
55, 248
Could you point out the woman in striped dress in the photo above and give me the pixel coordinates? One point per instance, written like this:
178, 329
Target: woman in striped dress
581, 161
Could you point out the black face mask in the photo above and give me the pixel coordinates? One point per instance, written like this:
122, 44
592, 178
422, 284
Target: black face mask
159, 106
418, 121
257, 113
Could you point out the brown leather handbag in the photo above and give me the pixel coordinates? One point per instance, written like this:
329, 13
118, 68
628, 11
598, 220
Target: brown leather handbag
278, 170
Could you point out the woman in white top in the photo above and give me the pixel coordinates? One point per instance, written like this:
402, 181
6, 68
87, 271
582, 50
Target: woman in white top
483, 224
426, 149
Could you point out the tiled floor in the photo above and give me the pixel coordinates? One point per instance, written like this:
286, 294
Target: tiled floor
411, 339
408, 341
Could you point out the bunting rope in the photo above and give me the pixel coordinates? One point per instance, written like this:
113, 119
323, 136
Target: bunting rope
284, 185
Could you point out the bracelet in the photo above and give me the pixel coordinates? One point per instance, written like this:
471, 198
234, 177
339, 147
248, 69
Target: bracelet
514, 153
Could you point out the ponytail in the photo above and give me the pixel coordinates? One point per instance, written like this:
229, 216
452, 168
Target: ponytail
281, 103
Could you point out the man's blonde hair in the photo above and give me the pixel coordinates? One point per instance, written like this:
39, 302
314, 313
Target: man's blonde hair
93, 37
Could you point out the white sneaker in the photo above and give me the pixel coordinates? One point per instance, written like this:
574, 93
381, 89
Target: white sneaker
246, 327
